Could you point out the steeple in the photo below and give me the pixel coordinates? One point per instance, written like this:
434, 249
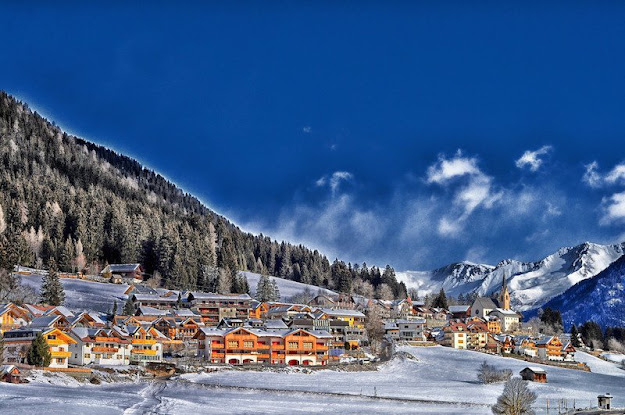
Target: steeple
504, 297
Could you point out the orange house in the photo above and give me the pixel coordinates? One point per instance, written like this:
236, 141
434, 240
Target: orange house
550, 348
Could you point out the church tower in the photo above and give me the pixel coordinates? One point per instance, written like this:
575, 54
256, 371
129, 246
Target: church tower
504, 297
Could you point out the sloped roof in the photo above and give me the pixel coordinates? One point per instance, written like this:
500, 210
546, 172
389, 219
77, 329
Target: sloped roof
122, 267
44, 321
484, 302
459, 308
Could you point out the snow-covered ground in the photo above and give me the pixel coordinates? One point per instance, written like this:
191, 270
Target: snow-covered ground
439, 381
85, 295
614, 357
287, 288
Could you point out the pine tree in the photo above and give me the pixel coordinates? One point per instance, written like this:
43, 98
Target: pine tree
52, 292
262, 289
575, 336
179, 302
129, 308
441, 300
276, 290
114, 312
39, 352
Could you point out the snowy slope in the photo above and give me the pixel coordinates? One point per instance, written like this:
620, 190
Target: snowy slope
601, 298
85, 295
531, 284
439, 381
287, 288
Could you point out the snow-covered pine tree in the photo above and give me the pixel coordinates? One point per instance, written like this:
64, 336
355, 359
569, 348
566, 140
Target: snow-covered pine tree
52, 292
275, 290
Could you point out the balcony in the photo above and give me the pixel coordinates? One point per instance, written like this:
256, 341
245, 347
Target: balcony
262, 346
144, 341
102, 349
263, 356
217, 345
277, 346
56, 342
106, 339
60, 354
218, 355
147, 352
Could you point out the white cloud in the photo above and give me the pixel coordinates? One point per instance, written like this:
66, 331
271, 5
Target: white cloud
614, 209
532, 159
447, 169
591, 177
335, 180
616, 175
476, 192
307, 129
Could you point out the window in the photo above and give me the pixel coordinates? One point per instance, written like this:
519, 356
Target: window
308, 345
233, 343
248, 344
52, 337
87, 355
292, 345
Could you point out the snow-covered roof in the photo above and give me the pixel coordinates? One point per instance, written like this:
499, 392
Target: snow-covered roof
5, 369
151, 311
459, 308
212, 296
535, 369
484, 302
44, 321
503, 312
122, 268
340, 312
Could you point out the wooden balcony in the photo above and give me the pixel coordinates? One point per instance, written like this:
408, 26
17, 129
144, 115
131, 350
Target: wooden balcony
217, 355
56, 342
102, 349
263, 356
217, 345
60, 354
144, 341
148, 352
277, 347
106, 339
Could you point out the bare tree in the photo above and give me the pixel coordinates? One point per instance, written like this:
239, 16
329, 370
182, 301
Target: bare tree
516, 399
489, 374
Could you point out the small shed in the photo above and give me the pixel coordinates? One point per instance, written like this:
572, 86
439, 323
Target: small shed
534, 374
605, 401
10, 374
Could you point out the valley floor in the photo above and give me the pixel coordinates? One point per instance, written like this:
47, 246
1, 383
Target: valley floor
439, 381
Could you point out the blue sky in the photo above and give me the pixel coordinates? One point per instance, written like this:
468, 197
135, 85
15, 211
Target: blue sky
409, 134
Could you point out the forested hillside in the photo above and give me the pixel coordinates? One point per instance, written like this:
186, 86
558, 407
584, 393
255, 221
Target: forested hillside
85, 205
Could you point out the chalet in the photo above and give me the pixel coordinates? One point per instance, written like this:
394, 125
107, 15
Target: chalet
214, 307
99, 346
478, 335
494, 324
352, 317
455, 335
482, 306
146, 344
510, 320
85, 319
534, 374
287, 311
17, 343
129, 273
12, 317
568, 352
155, 301
460, 311
10, 374
550, 348
526, 346
506, 343
50, 321
322, 300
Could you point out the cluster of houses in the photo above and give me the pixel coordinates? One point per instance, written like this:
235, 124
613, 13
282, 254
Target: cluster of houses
236, 329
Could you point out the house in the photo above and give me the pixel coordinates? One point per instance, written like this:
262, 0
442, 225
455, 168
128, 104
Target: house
10, 374
460, 311
568, 352
391, 330
354, 318
525, 345
129, 273
98, 346
478, 335
510, 320
12, 317
155, 301
455, 335
322, 300
243, 345
146, 343
550, 348
85, 319
534, 374
411, 330
17, 343
482, 306
214, 307
494, 324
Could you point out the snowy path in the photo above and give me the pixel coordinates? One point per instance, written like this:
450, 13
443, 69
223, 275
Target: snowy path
151, 399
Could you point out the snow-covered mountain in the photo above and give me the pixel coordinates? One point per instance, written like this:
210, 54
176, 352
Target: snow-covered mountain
600, 298
531, 284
